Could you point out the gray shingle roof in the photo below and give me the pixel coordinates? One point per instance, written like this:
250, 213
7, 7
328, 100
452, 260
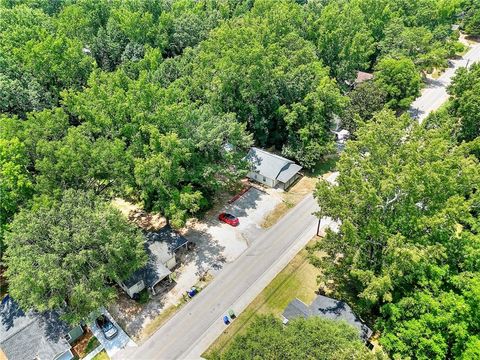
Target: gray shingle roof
32, 335
169, 236
327, 308
271, 165
295, 309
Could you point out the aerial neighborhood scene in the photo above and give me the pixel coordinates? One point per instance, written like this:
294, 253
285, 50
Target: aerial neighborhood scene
239, 179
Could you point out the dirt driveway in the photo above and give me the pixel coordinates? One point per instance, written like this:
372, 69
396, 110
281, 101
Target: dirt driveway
215, 244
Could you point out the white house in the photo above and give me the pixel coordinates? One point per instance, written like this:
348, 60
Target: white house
272, 170
161, 247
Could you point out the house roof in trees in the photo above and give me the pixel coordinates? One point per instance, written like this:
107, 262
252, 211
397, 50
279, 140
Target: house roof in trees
328, 308
363, 76
160, 246
167, 235
155, 269
271, 165
31, 335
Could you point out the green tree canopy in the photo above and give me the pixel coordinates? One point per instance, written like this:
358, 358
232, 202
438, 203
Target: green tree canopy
261, 68
345, 42
465, 104
365, 100
400, 80
471, 22
63, 255
407, 199
313, 338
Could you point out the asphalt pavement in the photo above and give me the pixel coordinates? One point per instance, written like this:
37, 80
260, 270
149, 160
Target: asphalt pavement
435, 94
191, 330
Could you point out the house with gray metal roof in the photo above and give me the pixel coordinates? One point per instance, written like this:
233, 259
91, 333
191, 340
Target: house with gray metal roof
161, 247
272, 170
327, 308
34, 336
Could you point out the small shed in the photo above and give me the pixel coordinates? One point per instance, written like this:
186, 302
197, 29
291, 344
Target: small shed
161, 247
272, 170
328, 308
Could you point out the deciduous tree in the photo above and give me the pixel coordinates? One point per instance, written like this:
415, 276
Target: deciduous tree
313, 338
64, 255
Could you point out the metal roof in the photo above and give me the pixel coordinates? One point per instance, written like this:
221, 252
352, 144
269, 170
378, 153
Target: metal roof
28, 336
330, 309
271, 165
363, 76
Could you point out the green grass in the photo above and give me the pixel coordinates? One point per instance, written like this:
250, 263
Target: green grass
325, 166
296, 280
144, 296
92, 345
102, 355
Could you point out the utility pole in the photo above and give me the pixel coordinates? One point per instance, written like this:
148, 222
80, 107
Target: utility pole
318, 226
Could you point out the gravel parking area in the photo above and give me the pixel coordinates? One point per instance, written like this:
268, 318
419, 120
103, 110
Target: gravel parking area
216, 243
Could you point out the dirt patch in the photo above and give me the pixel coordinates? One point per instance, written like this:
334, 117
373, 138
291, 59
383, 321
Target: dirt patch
85, 344
290, 198
134, 213
140, 321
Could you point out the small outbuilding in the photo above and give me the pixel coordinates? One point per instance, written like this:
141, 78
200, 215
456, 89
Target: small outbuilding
161, 247
328, 308
272, 170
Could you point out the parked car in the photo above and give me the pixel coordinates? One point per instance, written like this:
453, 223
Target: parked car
229, 219
105, 324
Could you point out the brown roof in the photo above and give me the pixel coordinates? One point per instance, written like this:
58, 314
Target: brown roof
363, 76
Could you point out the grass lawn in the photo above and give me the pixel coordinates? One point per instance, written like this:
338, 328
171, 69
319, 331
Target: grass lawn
292, 197
296, 280
303, 187
325, 166
102, 355
91, 345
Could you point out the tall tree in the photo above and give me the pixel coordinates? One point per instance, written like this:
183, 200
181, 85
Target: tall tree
162, 179
313, 338
465, 104
261, 68
365, 100
407, 199
16, 184
400, 80
471, 22
345, 43
63, 255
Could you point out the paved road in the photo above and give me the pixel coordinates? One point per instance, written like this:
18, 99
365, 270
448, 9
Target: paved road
435, 94
199, 322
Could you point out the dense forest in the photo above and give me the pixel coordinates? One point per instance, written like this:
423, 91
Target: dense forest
158, 101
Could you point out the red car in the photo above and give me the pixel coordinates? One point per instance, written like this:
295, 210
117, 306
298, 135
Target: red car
229, 219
